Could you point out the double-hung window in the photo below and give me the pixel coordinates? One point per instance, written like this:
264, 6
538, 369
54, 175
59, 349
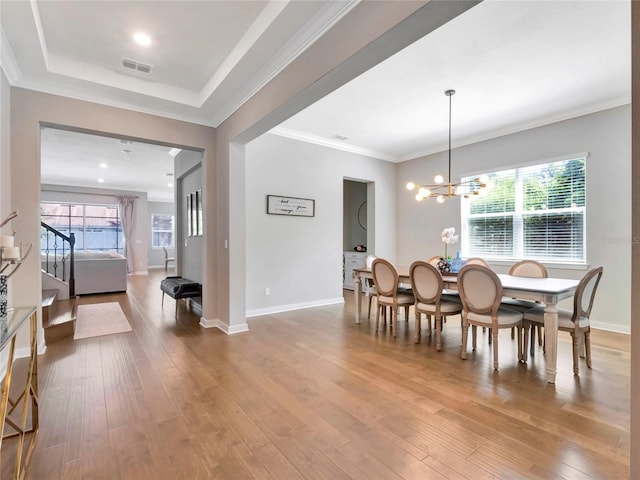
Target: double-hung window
535, 212
161, 231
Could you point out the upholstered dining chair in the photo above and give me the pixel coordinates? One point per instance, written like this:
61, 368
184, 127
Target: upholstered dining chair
167, 259
530, 269
477, 261
481, 293
434, 260
427, 286
385, 278
369, 285
575, 322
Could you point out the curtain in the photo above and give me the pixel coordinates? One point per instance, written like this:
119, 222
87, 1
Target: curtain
127, 205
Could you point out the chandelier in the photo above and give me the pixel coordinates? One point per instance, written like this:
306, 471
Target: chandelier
441, 190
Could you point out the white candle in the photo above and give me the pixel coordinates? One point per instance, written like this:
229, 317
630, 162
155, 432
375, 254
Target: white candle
10, 253
6, 241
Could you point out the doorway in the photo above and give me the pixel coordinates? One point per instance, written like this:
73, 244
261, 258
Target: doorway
357, 238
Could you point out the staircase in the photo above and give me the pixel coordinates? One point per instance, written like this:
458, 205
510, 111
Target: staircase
58, 316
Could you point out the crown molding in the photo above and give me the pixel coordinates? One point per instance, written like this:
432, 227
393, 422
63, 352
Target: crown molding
8, 59
307, 35
521, 127
326, 142
41, 38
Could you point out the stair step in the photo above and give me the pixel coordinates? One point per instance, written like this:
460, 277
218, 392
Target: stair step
61, 320
48, 297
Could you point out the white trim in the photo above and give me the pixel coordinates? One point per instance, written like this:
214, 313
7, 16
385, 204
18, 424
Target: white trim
8, 59
610, 327
327, 142
295, 306
140, 272
306, 36
513, 129
219, 324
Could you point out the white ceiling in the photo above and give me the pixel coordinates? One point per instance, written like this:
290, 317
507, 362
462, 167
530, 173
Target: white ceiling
514, 64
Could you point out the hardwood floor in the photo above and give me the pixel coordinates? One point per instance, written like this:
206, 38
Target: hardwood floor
310, 394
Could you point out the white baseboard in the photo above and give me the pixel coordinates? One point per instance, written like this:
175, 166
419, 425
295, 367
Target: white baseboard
229, 330
140, 272
294, 306
609, 327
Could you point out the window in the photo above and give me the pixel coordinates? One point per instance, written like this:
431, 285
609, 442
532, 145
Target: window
161, 230
535, 212
96, 227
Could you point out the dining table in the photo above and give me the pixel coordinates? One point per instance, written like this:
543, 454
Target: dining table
548, 291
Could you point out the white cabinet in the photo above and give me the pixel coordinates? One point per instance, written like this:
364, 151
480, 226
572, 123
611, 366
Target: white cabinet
351, 260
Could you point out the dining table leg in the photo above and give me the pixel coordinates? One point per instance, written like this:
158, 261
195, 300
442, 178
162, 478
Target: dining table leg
357, 295
551, 340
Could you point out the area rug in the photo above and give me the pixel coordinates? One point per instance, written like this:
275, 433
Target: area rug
98, 319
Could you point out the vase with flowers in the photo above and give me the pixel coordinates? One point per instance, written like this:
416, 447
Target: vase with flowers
449, 237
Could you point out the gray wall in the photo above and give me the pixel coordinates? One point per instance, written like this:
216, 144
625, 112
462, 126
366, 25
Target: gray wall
606, 136
300, 258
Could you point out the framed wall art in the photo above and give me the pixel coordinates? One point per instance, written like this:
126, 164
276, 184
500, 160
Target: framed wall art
292, 206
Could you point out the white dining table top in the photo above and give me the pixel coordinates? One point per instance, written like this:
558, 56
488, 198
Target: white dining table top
549, 285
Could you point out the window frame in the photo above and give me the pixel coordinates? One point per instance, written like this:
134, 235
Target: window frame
173, 231
87, 225
519, 214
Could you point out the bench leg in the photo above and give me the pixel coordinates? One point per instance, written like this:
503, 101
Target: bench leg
163, 298
177, 308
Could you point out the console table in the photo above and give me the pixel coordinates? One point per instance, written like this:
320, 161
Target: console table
11, 415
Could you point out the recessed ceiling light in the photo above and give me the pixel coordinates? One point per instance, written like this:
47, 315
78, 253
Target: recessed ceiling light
168, 174
103, 165
126, 151
101, 180
170, 185
142, 39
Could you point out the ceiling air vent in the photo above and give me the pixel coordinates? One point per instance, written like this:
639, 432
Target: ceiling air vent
135, 65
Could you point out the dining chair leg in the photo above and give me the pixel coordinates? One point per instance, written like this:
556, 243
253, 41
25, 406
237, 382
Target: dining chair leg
513, 333
495, 348
525, 344
474, 337
540, 336
576, 341
417, 326
587, 347
533, 339
520, 349
465, 334
377, 317
438, 333
393, 321
490, 336
369, 310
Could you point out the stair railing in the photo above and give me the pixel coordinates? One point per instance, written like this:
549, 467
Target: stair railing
54, 247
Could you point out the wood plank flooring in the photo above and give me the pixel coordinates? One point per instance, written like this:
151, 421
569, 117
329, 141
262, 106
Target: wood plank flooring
311, 395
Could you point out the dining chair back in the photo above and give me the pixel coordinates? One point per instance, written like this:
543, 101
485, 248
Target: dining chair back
167, 259
530, 269
386, 279
477, 261
481, 294
576, 322
427, 285
434, 260
370, 287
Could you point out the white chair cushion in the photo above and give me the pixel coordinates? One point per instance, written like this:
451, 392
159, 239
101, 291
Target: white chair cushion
564, 318
505, 317
445, 307
403, 299
518, 305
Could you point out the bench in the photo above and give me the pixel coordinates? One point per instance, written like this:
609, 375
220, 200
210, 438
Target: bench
178, 287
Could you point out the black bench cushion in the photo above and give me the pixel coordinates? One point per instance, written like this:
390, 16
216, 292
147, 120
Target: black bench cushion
178, 287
